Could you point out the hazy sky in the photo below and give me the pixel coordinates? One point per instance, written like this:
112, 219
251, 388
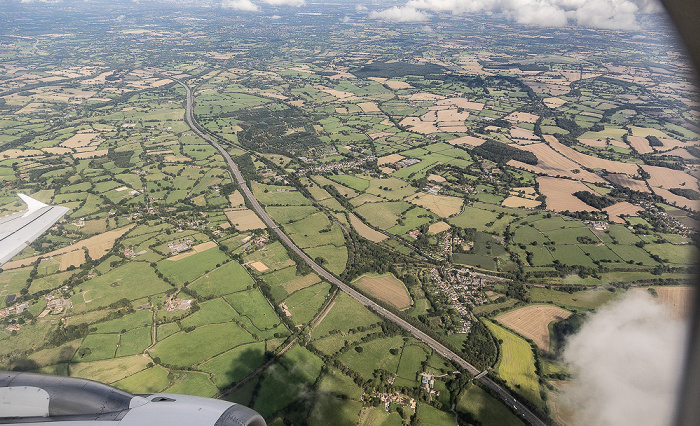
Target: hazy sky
607, 14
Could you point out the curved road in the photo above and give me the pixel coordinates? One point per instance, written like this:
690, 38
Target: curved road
502, 393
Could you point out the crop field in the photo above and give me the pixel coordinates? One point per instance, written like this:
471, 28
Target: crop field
346, 313
552, 163
516, 364
191, 383
441, 205
386, 288
244, 219
274, 256
229, 278
193, 266
151, 380
375, 355
231, 366
390, 188
533, 322
273, 195
291, 214
122, 282
678, 299
559, 193
354, 182
338, 383
110, 370
253, 305
365, 231
335, 256
186, 349
305, 303
590, 161
382, 215
484, 408
211, 312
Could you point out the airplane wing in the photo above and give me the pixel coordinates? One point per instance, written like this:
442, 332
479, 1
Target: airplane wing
19, 229
33, 399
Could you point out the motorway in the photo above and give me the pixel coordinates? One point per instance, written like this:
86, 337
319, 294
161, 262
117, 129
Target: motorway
506, 397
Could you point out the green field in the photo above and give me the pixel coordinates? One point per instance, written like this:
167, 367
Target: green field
229, 278
192, 267
516, 364
346, 313
485, 408
233, 365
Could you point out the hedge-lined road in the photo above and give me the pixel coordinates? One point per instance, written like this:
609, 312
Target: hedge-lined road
502, 393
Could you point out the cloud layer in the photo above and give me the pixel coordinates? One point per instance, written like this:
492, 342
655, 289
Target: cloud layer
628, 359
607, 14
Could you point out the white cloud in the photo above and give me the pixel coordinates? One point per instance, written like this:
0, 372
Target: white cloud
246, 5
400, 14
295, 3
607, 14
360, 8
627, 360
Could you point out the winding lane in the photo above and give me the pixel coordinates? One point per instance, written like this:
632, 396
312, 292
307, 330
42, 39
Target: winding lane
504, 395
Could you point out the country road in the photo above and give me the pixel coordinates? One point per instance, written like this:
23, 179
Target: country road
506, 397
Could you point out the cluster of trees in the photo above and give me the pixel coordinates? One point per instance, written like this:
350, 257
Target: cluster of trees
499, 152
593, 200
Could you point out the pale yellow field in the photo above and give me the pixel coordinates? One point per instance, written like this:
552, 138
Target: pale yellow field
533, 322
97, 247
297, 283
57, 150
558, 193
176, 159
590, 161
365, 231
337, 93
520, 133
236, 199
553, 102
672, 198
425, 97
520, 117
438, 227
640, 144
90, 154
462, 103
79, 140
441, 205
594, 143
436, 178
669, 178
259, 266
397, 85
20, 153
515, 201
380, 135
469, 140
195, 249
244, 219
552, 163
524, 192
385, 288
679, 152
74, 258
368, 107
679, 299
618, 209
389, 159
623, 180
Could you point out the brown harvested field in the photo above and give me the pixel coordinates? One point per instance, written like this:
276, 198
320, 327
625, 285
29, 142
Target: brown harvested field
176, 159
424, 97
97, 247
559, 194
678, 299
533, 322
672, 198
678, 152
618, 209
520, 133
244, 219
596, 143
441, 205
380, 135
469, 140
668, 178
670, 143
397, 85
259, 266
524, 192
515, 201
553, 102
236, 199
553, 163
90, 154
436, 228
389, 159
462, 103
386, 288
369, 107
19, 153
79, 140
623, 180
451, 115
522, 117
74, 258
57, 150
640, 144
341, 110
590, 161
195, 249
365, 231
419, 126
333, 92
436, 178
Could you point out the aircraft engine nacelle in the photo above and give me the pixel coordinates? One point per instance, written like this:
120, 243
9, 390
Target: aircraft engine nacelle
27, 398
